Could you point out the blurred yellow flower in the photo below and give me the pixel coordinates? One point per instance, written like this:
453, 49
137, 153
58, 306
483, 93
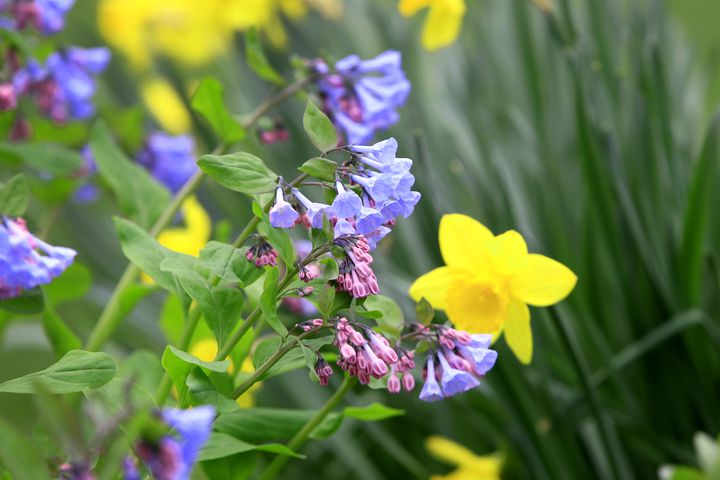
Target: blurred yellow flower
443, 23
489, 280
165, 105
194, 32
470, 466
206, 350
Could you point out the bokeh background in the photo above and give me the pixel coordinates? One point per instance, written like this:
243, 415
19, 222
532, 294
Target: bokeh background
582, 129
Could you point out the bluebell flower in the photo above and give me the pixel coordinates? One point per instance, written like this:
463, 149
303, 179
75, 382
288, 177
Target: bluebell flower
368, 220
64, 88
362, 96
478, 353
315, 211
282, 214
170, 159
52, 14
173, 456
26, 261
379, 187
343, 227
376, 235
87, 192
453, 380
46, 16
347, 203
431, 391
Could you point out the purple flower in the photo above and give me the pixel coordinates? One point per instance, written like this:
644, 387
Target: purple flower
362, 96
379, 187
347, 203
64, 88
431, 391
47, 16
478, 354
282, 214
368, 220
26, 261
455, 381
375, 236
343, 227
314, 211
87, 192
170, 159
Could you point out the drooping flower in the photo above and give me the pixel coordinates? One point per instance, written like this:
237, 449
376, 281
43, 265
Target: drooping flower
26, 261
282, 214
443, 23
469, 465
431, 391
347, 203
46, 16
489, 280
64, 88
362, 96
173, 456
170, 159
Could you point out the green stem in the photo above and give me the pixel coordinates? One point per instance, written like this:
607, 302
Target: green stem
583, 373
301, 437
109, 319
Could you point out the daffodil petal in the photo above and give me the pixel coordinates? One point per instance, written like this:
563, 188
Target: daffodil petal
509, 252
448, 451
471, 307
434, 286
543, 281
165, 105
463, 241
518, 334
443, 24
411, 7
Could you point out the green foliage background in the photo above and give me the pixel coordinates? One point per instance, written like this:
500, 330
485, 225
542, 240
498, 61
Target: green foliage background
592, 132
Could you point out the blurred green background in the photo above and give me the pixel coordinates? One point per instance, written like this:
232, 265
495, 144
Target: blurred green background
583, 129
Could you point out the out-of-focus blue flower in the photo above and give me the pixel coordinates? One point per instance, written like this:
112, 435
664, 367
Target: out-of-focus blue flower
362, 96
87, 192
27, 261
282, 214
170, 159
64, 88
46, 16
173, 456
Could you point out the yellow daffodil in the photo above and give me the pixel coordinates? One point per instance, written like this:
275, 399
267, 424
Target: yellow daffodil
443, 23
206, 350
489, 281
165, 105
190, 238
470, 466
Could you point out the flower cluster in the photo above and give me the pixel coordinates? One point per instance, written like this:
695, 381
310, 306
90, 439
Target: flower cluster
373, 189
172, 457
170, 159
46, 16
26, 261
457, 362
262, 253
362, 96
64, 87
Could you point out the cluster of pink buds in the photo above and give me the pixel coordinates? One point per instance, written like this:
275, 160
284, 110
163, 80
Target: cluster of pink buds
400, 374
274, 135
262, 253
356, 276
323, 370
308, 272
364, 355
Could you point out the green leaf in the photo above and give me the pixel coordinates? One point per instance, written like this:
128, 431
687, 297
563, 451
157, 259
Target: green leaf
392, 319
372, 413
78, 370
424, 311
321, 168
235, 467
325, 301
208, 101
319, 128
278, 237
699, 215
268, 301
204, 391
29, 302
57, 160
221, 305
257, 60
178, 364
73, 283
140, 197
222, 445
14, 196
61, 337
21, 457
260, 425
292, 360
241, 172
229, 263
